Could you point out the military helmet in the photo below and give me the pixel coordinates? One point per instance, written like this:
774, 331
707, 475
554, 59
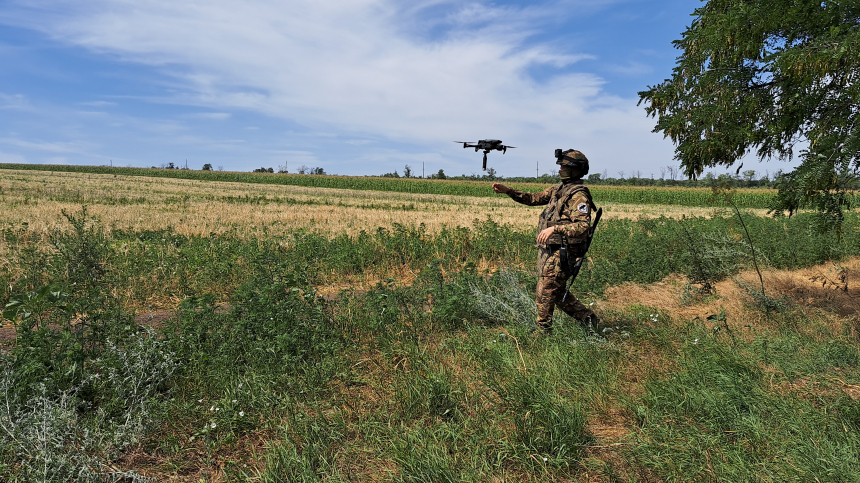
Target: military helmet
574, 159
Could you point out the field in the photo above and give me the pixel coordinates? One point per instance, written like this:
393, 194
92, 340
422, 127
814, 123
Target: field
214, 329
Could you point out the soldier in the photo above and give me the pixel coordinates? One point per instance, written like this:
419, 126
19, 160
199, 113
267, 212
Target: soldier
567, 214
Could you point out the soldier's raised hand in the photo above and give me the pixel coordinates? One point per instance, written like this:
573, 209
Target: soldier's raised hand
500, 188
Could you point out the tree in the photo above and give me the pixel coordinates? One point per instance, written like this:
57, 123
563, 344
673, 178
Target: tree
673, 172
439, 175
207, 167
769, 76
407, 172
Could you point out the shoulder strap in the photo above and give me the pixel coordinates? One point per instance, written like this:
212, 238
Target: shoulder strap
583, 189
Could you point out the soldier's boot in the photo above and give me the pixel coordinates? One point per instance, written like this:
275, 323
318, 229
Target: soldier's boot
544, 319
576, 309
589, 320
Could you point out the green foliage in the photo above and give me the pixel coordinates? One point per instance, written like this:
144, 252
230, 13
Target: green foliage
719, 417
429, 390
277, 329
762, 75
424, 455
434, 380
546, 424
31, 308
309, 453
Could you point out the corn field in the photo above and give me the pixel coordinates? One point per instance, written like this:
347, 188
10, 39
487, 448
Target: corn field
743, 198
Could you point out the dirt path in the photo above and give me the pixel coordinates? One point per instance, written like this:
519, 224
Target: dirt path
153, 319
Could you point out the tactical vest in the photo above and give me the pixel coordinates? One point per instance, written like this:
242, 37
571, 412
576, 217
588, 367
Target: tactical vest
551, 215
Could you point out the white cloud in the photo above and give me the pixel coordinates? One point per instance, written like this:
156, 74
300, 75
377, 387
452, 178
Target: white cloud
367, 69
44, 146
98, 104
214, 116
14, 101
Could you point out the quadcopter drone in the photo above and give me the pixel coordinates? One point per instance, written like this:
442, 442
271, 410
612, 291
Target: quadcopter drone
487, 145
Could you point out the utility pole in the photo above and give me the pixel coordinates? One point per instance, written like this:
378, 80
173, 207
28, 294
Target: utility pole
537, 169
422, 169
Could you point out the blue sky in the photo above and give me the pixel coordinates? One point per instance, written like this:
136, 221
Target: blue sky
356, 87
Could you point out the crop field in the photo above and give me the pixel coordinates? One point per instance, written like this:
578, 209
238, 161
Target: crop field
222, 328
690, 197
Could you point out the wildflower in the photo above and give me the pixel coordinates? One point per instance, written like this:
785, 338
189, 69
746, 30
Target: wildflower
212, 408
234, 400
214, 425
241, 414
545, 458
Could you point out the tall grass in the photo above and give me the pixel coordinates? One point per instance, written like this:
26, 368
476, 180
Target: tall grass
721, 417
428, 374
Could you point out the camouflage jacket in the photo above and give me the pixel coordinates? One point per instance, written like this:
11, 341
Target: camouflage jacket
568, 210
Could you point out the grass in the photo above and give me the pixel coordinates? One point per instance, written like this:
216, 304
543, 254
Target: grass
424, 367
745, 198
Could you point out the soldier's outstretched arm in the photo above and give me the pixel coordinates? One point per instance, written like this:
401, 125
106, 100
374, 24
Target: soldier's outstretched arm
531, 199
500, 188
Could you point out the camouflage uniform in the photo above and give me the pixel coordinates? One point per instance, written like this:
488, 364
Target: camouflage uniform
568, 211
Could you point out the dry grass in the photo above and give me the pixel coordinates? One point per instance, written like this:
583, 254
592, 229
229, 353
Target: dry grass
830, 290
202, 207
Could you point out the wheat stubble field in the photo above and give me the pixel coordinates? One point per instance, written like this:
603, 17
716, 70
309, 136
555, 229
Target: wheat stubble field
321, 334
198, 207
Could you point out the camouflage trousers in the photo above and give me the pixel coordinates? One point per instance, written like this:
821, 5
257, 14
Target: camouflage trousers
552, 291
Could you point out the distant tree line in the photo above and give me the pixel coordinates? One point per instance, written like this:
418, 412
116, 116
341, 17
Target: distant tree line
669, 176
283, 169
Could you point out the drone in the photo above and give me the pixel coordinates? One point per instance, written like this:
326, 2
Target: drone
487, 145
